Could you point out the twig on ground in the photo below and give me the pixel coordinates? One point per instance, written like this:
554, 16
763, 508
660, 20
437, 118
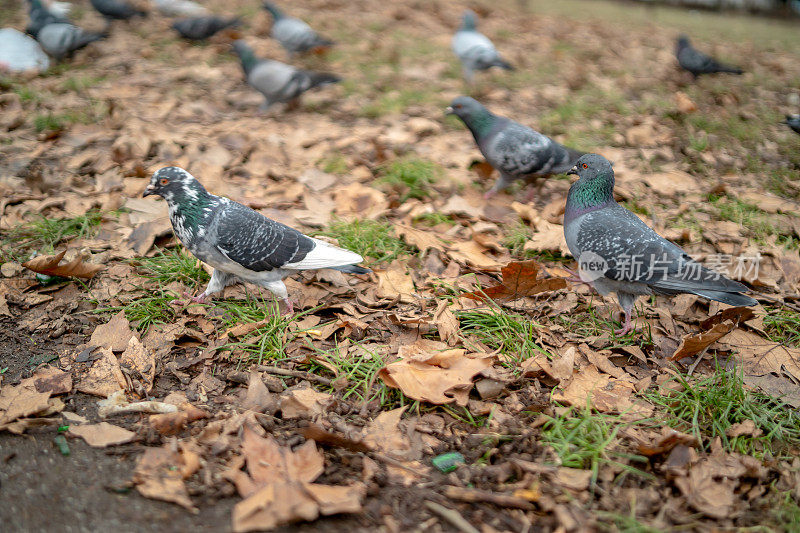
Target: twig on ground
476, 496
295, 374
452, 516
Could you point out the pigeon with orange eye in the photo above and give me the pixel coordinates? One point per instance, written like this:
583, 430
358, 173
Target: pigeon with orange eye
241, 244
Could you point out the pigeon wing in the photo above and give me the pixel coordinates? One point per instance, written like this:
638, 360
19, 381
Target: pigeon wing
635, 253
256, 242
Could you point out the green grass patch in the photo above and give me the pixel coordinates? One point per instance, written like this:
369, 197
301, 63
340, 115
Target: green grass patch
756, 222
434, 219
80, 82
411, 177
173, 265
586, 440
783, 326
147, 309
58, 121
370, 238
359, 368
269, 340
333, 164
44, 234
512, 333
708, 406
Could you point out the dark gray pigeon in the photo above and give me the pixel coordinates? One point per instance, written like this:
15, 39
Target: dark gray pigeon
697, 62
62, 39
516, 151
117, 9
475, 50
277, 81
40, 16
793, 121
617, 252
239, 243
199, 28
293, 34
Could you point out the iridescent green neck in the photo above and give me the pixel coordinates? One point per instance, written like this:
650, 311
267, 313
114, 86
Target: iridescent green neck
589, 195
480, 123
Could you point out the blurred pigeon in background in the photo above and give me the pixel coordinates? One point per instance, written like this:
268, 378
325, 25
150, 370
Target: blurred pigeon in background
793, 121
199, 28
117, 9
277, 81
516, 151
697, 62
293, 34
475, 50
180, 8
62, 39
39, 16
617, 252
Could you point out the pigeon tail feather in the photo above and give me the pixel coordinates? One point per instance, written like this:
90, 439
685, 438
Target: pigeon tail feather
730, 298
323, 78
353, 269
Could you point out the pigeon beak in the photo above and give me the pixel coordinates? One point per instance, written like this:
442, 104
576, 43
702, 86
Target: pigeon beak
150, 189
449, 110
573, 171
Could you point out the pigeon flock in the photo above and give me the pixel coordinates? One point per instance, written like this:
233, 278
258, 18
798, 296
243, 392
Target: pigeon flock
244, 246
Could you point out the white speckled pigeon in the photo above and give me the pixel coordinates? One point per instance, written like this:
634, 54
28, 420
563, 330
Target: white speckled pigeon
61, 39
617, 252
516, 151
241, 244
199, 28
697, 62
793, 121
277, 81
295, 36
475, 50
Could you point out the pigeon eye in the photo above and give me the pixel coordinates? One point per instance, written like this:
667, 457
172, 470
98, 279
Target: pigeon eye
163, 181
583, 165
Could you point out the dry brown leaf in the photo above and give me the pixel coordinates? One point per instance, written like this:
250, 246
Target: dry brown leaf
159, 475
141, 360
49, 265
259, 398
573, 478
304, 403
520, 279
684, 103
422, 240
603, 392
472, 253
114, 334
706, 494
761, 356
693, 344
665, 442
436, 377
384, 433
446, 323
748, 427
104, 377
396, 282
52, 380
21, 401
102, 435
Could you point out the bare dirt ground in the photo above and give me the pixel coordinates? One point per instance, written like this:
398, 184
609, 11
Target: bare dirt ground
120, 411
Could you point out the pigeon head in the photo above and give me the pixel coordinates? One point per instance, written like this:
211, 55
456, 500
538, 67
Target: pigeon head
477, 118
683, 41
246, 55
468, 20
176, 186
595, 185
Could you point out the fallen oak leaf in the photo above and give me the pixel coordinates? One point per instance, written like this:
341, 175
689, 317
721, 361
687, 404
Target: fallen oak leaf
49, 265
520, 279
435, 377
693, 344
102, 435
